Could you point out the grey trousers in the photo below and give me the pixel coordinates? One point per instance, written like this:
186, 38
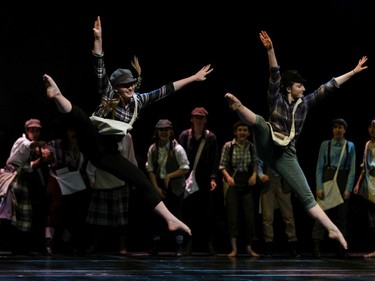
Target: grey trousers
283, 160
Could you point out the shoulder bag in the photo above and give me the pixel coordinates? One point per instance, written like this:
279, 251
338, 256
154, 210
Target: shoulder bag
332, 194
367, 188
191, 184
108, 126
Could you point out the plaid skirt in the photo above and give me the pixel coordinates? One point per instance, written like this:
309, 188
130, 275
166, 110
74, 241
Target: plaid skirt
109, 207
21, 203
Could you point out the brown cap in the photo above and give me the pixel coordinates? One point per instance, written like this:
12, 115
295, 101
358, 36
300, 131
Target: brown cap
33, 123
199, 111
163, 123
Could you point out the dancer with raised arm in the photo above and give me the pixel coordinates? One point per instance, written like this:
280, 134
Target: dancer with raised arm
276, 139
102, 151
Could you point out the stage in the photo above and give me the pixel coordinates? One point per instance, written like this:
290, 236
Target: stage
140, 266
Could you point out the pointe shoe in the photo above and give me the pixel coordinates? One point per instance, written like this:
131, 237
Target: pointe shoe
234, 103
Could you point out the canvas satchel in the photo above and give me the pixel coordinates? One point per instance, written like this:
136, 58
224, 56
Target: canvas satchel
191, 184
6, 204
332, 194
285, 140
367, 188
5, 180
114, 127
70, 182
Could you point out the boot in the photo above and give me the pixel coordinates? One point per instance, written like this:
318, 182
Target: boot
316, 252
179, 251
179, 242
188, 247
48, 247
154, 251
341, 253
268, 249
293, 249
48, 234
211, 248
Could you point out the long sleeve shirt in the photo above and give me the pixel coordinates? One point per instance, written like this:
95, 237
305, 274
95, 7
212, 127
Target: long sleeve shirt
122, 112
162, 157
208, 162
236, 157
281, 110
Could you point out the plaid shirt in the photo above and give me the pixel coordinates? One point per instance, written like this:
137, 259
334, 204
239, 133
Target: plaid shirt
280, 109
121, 112
243, 156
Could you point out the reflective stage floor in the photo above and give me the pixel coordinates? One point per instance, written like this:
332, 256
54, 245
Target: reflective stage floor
166, 267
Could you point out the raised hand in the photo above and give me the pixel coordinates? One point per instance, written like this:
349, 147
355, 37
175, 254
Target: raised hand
51, 88
360, 66
201, 74
266, 40
97, 28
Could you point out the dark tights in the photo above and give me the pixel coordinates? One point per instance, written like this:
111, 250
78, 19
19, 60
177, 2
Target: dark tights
102, 151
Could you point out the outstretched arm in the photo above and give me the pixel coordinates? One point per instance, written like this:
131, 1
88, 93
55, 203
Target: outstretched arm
199, 76
360, 66
267, 43
53, 92
98, 45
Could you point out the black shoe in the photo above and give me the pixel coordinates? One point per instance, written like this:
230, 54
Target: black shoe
341, 253
293, 250
187, 248
179, 252
316, 252
211, 249
154, 251
268, 249
48, 247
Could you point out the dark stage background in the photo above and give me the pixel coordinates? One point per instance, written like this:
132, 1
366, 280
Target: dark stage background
321, 39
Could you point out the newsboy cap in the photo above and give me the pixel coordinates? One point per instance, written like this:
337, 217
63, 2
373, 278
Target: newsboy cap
291, 76
240, 123
122, 76
33, 123
199, 111
339, 121
163, 123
